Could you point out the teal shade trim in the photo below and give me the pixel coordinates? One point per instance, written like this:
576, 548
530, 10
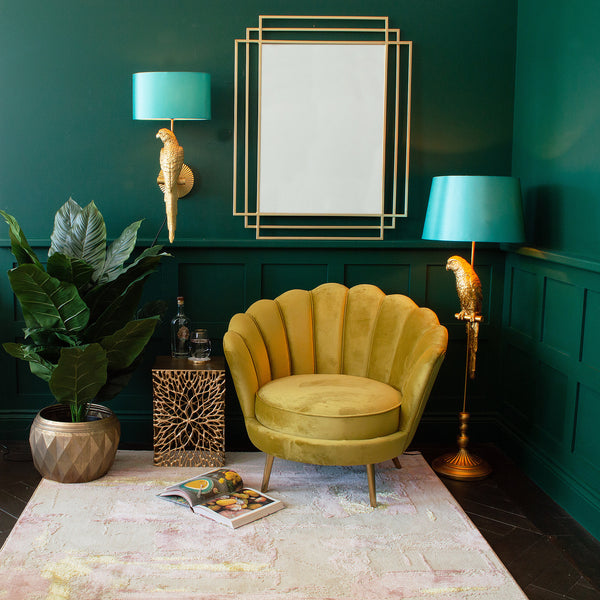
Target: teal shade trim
171, 95
473, 208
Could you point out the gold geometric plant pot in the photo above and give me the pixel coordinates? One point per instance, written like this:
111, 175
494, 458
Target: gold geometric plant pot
74, 452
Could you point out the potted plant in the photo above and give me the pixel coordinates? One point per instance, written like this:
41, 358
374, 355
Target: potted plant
83, 335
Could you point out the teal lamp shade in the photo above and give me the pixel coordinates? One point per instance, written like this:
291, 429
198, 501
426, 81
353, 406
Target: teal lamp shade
178, 95
474, 208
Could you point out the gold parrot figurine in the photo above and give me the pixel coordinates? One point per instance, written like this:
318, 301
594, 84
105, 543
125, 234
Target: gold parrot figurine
468, 287
171, 161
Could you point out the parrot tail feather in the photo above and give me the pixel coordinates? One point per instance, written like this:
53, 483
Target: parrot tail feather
171, 209
472, 338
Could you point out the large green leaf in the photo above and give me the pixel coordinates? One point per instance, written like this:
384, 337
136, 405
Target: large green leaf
62, 235
89, 236
115, 382
115, 303
70, 270
38, 365
18, 242
125, 345
116, 255
79, 375
43, 370
46, 301
79, 233
120, 310
43, 336
146, 258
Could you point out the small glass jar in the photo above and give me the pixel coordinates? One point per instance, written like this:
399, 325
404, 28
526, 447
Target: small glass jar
200, 346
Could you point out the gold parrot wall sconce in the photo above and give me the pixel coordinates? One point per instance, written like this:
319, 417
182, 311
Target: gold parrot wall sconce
173, 181
172, 96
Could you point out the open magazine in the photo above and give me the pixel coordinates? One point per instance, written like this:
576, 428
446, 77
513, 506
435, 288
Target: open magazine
220, 495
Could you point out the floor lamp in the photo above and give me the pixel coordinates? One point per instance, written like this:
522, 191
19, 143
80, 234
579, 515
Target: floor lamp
471, 209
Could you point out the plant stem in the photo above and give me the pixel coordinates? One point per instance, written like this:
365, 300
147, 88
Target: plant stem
78, 412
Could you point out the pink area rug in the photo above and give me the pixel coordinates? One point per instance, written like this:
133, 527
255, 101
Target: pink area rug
114, 539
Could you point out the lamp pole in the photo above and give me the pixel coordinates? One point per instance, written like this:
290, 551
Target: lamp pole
463, 465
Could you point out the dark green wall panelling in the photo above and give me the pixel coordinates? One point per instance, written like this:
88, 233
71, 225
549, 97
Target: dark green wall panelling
590, 352
395, 278
278, 278
522, 313
563, 306
585, 444
552, 306
217, 283
551, 388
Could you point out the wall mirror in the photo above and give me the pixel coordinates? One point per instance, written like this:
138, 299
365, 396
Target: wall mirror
322, 127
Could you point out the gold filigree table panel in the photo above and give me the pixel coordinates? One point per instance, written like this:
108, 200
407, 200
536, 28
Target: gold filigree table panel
189, 412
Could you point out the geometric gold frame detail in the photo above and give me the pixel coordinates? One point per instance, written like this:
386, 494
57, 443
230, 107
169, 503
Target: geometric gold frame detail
334, 222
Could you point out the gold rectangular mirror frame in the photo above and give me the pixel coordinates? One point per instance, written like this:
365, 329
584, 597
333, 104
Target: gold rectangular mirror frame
330, 219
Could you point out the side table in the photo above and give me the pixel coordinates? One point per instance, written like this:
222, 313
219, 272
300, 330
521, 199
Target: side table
189, 412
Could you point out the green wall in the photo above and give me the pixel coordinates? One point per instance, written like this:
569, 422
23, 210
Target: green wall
557, 123
66, 120
66, 66
551, 317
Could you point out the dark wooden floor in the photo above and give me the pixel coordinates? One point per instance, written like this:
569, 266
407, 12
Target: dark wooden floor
548, 553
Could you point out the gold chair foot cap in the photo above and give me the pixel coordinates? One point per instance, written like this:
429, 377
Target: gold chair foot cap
461, 465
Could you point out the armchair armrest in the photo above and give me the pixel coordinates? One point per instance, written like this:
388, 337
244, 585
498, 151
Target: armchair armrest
242, 370
417, 387
247, 358
416, 367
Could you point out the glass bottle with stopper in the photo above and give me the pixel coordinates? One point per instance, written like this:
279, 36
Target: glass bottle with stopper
180, 332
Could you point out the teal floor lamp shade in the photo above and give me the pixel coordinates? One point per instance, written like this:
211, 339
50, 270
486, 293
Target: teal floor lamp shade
471, 209
172, 96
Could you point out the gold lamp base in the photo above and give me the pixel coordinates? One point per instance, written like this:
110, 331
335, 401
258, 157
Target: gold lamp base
461, 465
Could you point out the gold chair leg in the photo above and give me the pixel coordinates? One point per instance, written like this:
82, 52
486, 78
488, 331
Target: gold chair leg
267, 473
396, 462
371, 478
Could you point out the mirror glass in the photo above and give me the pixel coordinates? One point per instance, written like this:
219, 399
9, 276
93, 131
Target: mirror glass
322, 129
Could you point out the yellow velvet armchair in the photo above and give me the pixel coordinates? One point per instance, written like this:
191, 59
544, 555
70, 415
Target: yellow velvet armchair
334, 376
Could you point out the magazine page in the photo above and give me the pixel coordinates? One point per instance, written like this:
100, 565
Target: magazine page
238, 508
205, 487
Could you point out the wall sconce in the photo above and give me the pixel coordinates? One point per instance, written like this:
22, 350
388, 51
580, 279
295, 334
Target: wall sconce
172, 96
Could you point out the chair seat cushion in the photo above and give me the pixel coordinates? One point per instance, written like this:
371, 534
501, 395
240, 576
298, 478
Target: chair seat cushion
330, 407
